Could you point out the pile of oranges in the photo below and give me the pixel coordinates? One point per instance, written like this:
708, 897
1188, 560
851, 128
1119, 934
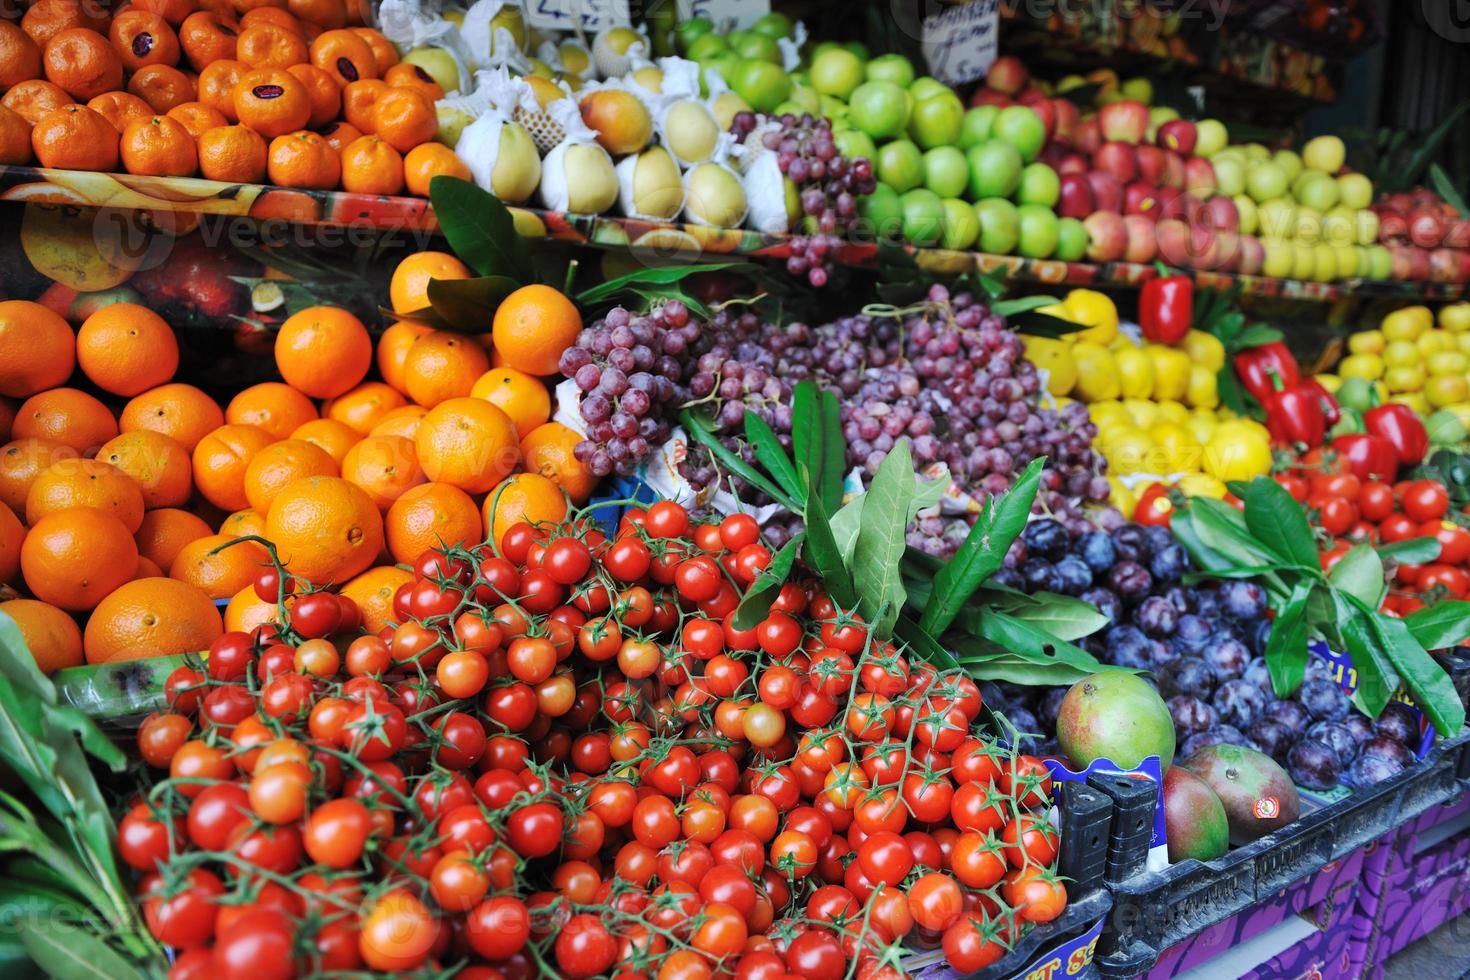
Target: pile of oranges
119, 484
240, 92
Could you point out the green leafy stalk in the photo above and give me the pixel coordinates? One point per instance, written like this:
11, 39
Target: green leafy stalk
480, 229
880, 544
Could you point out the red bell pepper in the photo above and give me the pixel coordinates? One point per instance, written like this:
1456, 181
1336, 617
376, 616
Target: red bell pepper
1154, 506
1331, 411
1294, 415
1402, 427
1266, 369
1166, 309
1368, 457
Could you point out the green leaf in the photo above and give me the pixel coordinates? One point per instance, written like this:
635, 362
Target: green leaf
845, 524
849, 516
1446, 188
1360, 573
1377, 679
817, 443
1062, 616
770, 454
699, 430
1030, 642
1427, 148
877, 555
983, 551
922, 644
1014, 670
756, 602
1421, 674
1278, 522
480, 229
69, 953
653, 276
1414, 551
1257, 335
1038, 324
469, 305
1024, 304
1440, 626
1286, 646
1222, 531
823, 555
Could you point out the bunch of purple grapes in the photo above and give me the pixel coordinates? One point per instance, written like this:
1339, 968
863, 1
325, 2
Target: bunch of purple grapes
828, 184
630, 371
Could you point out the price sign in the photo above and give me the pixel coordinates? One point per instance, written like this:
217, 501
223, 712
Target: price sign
741, 13
961, 43
565, 15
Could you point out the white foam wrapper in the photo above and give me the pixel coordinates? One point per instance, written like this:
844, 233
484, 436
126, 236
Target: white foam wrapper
680, 84
625, 169
487, 49
491, 105
725, 155
555, 195
408, 26
765, 191
549, 53
791, 47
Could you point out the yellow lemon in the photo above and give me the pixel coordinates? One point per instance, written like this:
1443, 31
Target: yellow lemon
1120, 497
1236, 454
1178, 448
1402, 353
1203, 426
1369, 367
1329, 382
1402, 379
1202, 485
1204, 349
1135, 372
1203, 391
1097, 372
1097, 311
1367, 342
1413, 399
1455, 317
1447, 362
1171, 371
1432, 341
1407, 323
1447, 389
1143, 412
1128, 451
1056, 358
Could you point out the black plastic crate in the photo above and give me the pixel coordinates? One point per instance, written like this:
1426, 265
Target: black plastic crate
1088, 818
1134, 801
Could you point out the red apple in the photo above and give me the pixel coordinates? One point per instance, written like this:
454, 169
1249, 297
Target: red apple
1174, 170
1199, 176
1426, 227
1179, 244
1107, 236
1076, 200
1221, 212
1141, 198
989, 96
1067, 119
1072, 163
1174, 203
1402, 263
1150, 164
1107, 190
1143, 240
1444, 265
1227, 251
1124, 122
1087, 136
1252, 255
1418, 264
1117, 159
1043, 107
1393, 229
1458, 235
1008, 75
1178, 135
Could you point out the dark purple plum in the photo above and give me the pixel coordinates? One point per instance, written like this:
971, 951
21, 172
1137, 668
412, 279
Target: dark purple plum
1131, 581
1051, 703
1025, 721
1389, 749
1074, 575
1271, 736
1160, 653
1291, 714
1046, 538
1126, 646
1219, 735
1259, 674
1239, 702
1040, 575
1360, 727
1192, 634
1008, 578
1178, 595
1370, 770
992, 695
1188, 676
1242, 600
1398, 723
1207, 604
1228, 656
1324, 699
1158, 538
1338, 737
1191, 714
1096, 549
1314, 765
1257, 635
1130, 543
1156, 616
1168, 564
1106, 601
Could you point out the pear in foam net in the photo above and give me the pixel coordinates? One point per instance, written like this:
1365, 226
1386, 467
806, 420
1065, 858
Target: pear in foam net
577, 175
650, 185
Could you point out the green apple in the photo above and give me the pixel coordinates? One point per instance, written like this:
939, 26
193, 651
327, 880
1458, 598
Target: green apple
1317, 191
961, 226
1325, 153
1303, 261
757, 47
805, 99
1308, 225
995, 169
1347, 261
1039, 231
1021, 127
923, 216
1324, 262
705, 45
1280, 257
1138, 89
1278, 218
1229, 175
773, 25
1289, 162
1072, 240
925, 87
1040, 185
893, 68
900, 165
854, 143
1211, 137
976, 128
882, 211
1355, 190
1000, 225
1340, 226
946, 172
762, 84
836, 72
692, 30
1380, 261
1367, 226
879, 109
1250, 218
1257, 152
858, 48
440, 65
1265, 181
936, 120
727, 63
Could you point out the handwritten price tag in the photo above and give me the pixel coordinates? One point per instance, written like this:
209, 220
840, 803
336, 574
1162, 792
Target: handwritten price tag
742, 13
961, 43
590, 15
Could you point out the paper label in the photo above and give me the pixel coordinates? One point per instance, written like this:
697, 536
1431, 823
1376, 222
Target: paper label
961, 43
590, 15
738, 13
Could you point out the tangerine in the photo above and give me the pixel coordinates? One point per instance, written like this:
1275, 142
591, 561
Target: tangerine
12, 532
364, 406
408, 290
358, 99
434, 515
68, 416
21, 462
403, 421
159, 466
371, 166
217, 83
373, 592
280, 464
344, 55
266, 45
163, 87
527, 497
180, 411
198, 119
329, 435
74, 558
120, 108
75, 138
550, 450
232, 153
159, 147
220, 459
246, 611
173, 11
53, 637
82, 62
37, 348
223, 573
205, 39
385, 467
404, 75
467, 443
522, 396
428, 160
385, 55
165, 531
303, 159
394, 345
339, 134
126, 348
323, 351
242, 523
532, 326
272, 406
322, 89
32, 100
151, 617
47, 18
325, 15
15, 138
405, 118
70, 483
143, 38
20, 56
325, 528
443, 365
272, 101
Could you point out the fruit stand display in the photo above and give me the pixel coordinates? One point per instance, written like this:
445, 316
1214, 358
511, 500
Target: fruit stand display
676, 499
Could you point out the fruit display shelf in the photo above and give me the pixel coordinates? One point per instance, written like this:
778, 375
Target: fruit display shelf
187, 200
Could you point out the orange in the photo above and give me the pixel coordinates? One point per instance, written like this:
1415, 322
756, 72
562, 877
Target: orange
232, 153
68, 416
280, 464
385, 55
126, 348
165, 531
159, 147
47, 18
182, 412
263, 45
159, 466
467, 443
323, 351
163, 87
21, 462
34, 99
50, 634
384, 466
325, 528
69, 483
527, 497
403, 421
364, 406
431, 516
37, 348
358, 99
393, 348
15, 138
198, 119
272, 101
242, 523
413, 77
405, 118
82, 62
147, 569
222, 574
75, 138
373, 592
142, 38
120, 108
11, 535
323, 91
344, 55
217, 83
247, 610
339, 134
330, 436
74, 558
522, 396
549, 451
274, 16
443, 365
20, 57
173, 11
324, 14
303, 159
272, 406
371, 166
220, 460
532, 326
151, 617
426, 161
408, 290
206, 39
